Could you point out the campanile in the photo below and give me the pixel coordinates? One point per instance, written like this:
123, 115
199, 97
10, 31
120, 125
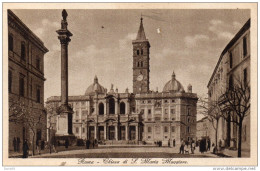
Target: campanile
141, 59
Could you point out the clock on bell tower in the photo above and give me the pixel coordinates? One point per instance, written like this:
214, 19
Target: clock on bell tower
141, 59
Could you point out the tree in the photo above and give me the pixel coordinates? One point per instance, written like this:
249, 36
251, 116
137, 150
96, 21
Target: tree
235, 103
20, 112
211, 109
51, 110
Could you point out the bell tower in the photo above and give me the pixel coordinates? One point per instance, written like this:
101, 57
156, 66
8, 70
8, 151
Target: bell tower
141, 59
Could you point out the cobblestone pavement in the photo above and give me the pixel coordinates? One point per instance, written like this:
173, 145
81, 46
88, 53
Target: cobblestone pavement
137, 152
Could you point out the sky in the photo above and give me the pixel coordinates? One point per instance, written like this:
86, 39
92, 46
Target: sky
190, 44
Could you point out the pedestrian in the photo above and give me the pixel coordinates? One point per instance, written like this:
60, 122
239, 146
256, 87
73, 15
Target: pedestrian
202, 146
25, 149
18, 144
93, 144
15, 144
66, 143
53, 144
182, 147
192, 147
208, 145
38, 148
42, 144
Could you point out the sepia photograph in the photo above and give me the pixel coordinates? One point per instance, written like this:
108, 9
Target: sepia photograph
138, 84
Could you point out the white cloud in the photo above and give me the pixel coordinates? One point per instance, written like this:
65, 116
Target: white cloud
124, 43
221, 29
192, 41
237, 24
216, 22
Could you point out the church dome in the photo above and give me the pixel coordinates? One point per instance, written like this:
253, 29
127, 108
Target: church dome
95, 87
173, 85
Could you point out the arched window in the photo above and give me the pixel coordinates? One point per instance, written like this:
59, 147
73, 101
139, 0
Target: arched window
137, 52
111, 106
122, 108
101, 109
10, 42
22, 51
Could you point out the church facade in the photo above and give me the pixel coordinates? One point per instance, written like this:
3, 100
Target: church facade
142, 116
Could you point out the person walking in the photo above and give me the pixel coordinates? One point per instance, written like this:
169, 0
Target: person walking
18, 144
93, 144
25, 149
66, 143
15, 144
192, 147
38, 148
208, 145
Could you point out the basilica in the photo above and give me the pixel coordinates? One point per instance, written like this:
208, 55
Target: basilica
143, 116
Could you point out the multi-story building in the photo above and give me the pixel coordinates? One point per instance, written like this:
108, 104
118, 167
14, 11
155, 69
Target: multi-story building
25, 83
234, 63
143, 115
203, 128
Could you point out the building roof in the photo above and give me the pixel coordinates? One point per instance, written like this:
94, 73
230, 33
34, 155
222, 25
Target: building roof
229, 45
95, 88
173, 85
141, 34
22, 27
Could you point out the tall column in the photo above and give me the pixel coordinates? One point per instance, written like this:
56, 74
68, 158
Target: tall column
116, 132
64, 37
126, 132
95, 131
136, 132
105, 108
105, 132
116, 106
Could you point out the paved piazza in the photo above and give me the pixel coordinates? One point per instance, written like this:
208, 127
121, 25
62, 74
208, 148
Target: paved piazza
136, 152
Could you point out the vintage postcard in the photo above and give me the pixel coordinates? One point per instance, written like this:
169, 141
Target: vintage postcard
130, 84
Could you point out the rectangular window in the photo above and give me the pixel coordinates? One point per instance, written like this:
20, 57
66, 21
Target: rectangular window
77, 130
165, 101
21, 85
23, 51
173, 129
77, 113
188, 112
173, 111
149, 101
230, 60
83, 130
10, 43
38, 94
245, 76
166, 129
10, 81
149, 111
244, 46
166, 111
149, 129
38, 63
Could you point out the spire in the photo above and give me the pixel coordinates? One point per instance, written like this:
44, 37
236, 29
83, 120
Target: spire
95, 79
173, 75
141, 34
